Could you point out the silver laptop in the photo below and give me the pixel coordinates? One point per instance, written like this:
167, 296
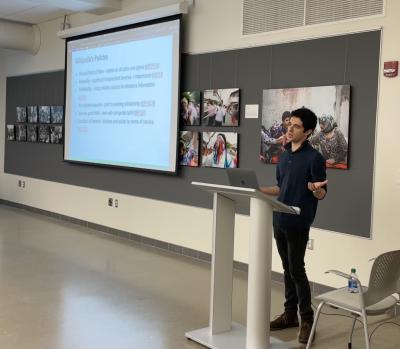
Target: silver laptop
239, 177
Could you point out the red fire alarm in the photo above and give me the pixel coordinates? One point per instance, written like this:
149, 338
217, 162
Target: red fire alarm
390, 69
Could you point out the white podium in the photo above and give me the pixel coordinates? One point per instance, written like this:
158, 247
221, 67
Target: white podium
221, 332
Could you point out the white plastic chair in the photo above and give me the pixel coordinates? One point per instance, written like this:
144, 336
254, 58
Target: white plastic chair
376, 299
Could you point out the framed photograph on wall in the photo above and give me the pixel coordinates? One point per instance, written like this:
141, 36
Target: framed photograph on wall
219, 149
20, 133
11, 132
56, 134
189, 148
32, 114
31, 133
57, 114
44, 133
44, 114
220, 107
331, 104
21, 114
190, 108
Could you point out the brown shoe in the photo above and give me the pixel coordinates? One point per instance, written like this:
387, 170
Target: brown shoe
305, 331
283, 321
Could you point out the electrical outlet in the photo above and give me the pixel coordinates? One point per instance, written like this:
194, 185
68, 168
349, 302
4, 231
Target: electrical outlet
23, 184
116, 203
310, 244
19, 183
110, 202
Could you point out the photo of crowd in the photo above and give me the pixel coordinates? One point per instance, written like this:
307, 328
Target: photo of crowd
31, 133
57, 114
189, 148
56, 134
190, 108
32, 114
221, 107
44, 134
44, 114
219, 149
10, 132
331, 104
20, 133
21, 114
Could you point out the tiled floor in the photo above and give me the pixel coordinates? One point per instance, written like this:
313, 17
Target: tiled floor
64, 286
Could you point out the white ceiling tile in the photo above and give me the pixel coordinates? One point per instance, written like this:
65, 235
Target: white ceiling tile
11, 7
37, 14
36, 11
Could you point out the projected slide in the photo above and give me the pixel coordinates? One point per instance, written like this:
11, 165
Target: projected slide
122, 98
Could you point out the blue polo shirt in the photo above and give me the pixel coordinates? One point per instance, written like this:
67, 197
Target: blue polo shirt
293, 172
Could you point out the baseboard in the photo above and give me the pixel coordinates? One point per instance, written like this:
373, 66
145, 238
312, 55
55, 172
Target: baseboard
316, 288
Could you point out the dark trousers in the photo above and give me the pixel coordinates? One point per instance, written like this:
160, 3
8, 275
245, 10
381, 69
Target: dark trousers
292, 244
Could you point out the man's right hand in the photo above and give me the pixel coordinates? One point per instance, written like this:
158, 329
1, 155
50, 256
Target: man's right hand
274, 191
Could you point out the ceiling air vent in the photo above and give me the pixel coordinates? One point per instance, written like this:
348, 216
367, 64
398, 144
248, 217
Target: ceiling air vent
261, 16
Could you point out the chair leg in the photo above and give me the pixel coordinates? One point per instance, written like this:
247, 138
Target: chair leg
351, 333
364, 316
314, 326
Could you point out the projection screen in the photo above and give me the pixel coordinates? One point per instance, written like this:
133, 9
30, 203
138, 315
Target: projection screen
122, 96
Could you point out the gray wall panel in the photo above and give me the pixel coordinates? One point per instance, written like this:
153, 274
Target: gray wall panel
253, 73
351, 59
311, 63
204, 71
189, 72
223, 70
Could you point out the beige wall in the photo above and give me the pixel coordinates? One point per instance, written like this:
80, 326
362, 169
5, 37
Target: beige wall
214, 26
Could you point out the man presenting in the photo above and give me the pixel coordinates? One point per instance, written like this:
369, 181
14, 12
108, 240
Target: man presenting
301, 178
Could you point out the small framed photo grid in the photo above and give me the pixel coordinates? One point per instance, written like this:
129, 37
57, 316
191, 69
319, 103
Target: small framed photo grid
42, 124
209, 111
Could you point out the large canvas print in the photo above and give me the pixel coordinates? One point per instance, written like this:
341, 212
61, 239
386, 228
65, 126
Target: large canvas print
221, 107
331, 104
219, 149
190, 108
189, 148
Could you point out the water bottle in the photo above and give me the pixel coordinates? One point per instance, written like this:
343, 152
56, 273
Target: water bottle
352, 285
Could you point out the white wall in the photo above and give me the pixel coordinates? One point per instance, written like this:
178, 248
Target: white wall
214, 26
